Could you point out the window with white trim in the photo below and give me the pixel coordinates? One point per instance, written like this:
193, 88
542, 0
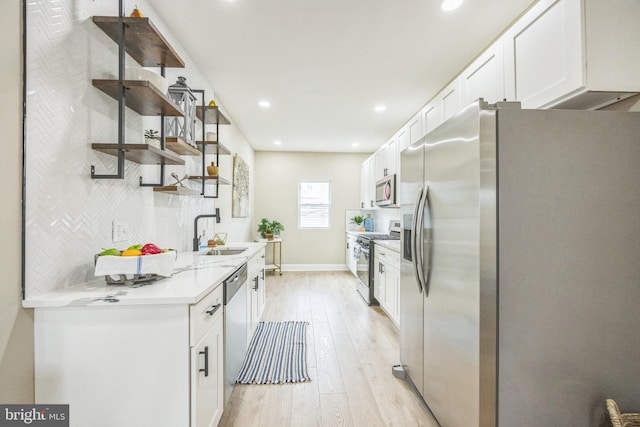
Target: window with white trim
314, 203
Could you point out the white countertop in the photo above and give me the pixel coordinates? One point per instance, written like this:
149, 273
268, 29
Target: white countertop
393, 245
194, 276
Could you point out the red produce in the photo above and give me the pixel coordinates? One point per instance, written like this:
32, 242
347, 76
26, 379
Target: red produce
150, 249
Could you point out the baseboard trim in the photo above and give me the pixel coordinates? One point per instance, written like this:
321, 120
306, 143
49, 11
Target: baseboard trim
314, 267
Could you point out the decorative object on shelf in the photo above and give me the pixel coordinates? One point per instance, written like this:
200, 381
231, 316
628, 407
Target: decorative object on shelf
152, 137
240, 191
135, 13
182, 127
212, 170
212, 136
212, 103
269, 229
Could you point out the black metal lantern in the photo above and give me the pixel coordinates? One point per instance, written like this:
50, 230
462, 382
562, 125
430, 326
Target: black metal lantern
182, 127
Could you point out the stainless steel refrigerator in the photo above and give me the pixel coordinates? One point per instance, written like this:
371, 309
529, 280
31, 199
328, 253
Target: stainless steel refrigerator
520, 276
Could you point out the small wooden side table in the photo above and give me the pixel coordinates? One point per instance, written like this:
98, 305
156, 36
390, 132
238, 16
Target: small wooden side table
276, 255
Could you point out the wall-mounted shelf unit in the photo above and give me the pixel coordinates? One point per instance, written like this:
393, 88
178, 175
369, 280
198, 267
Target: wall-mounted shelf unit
143, 42
139, 38
141, 96
211, 180
213, 147
176, 190
178, 146
211, 116
143, 154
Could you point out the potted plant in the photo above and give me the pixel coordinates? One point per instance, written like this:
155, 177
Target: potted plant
152, 137
268, 228
358, 220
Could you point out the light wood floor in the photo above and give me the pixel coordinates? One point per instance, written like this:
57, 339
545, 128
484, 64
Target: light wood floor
351, 351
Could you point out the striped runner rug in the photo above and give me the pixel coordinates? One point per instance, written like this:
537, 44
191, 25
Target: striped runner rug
277, 354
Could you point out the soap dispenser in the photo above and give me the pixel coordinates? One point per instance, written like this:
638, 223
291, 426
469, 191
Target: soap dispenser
368, 223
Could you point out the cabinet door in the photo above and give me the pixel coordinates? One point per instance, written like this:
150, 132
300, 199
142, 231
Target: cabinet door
544, 54
379, 291
450, 99
416, 131
262, 285
207, 378
393, 295
485, 77
386, 159
365, 183
431, 116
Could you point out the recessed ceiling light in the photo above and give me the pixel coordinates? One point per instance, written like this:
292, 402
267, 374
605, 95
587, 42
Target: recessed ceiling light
264, 104
450, 4
380, 108
277, 142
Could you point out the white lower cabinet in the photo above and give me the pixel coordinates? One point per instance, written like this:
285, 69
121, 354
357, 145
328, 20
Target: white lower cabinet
207, 361
256, 284
349, 254
132, 365
387, 281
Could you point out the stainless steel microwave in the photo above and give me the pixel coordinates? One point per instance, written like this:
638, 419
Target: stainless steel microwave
386, 191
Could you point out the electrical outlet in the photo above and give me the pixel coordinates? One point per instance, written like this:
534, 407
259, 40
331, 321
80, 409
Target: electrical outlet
120, 231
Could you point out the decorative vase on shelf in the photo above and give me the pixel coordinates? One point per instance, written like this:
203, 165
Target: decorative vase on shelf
212, 170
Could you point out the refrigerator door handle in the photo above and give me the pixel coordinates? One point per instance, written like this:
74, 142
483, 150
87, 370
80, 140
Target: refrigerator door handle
426, 255
415, 231
420, 237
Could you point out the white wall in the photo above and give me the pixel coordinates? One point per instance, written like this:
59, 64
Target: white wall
277, 177
16, 323
69, 216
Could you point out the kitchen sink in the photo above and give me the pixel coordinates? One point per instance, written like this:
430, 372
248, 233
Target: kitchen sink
226, 251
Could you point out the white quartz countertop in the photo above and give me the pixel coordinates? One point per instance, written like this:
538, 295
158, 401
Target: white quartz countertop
393, 245
194, 276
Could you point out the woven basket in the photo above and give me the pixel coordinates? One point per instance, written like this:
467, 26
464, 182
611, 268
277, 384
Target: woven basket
621, 420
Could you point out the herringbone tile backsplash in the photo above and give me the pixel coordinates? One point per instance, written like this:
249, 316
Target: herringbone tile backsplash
68, 215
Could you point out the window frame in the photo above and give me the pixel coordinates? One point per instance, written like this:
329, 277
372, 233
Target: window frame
300, 205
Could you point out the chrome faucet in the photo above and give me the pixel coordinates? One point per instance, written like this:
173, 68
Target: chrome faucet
196, 239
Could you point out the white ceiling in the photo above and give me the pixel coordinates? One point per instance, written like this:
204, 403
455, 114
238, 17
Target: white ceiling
324, 65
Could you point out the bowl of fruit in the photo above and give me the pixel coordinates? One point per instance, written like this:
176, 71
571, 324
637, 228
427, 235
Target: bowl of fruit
137, 263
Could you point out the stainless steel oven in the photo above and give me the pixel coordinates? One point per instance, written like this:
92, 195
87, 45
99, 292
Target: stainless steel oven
364, 253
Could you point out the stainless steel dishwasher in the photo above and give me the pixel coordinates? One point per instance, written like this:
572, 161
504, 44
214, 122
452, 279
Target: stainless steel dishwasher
235, 327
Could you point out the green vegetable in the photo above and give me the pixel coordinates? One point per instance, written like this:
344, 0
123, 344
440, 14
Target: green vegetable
111, 252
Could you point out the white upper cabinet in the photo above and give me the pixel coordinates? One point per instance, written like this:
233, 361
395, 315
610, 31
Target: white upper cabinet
416, 131
386, 159
450, 99
431, 116
573, 54
484, 78
367, 183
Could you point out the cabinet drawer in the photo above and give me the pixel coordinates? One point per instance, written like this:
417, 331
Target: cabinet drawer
388, 256
203, 314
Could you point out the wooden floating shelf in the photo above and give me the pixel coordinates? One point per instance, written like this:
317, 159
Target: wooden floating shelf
141, 96
213, 147
143, 154
209, 180
179, 146
212, 116
142, 40
176, 190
